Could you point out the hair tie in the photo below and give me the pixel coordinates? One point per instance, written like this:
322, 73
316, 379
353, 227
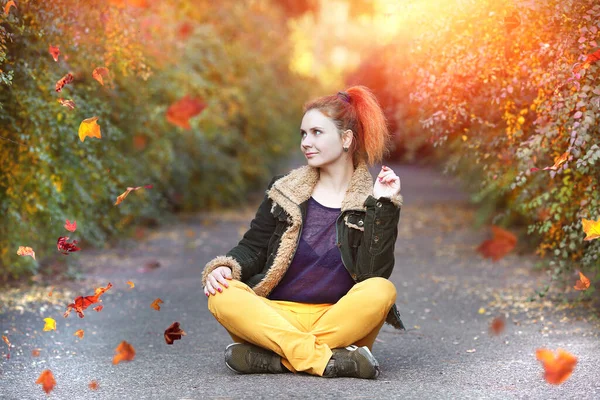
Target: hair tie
345, 96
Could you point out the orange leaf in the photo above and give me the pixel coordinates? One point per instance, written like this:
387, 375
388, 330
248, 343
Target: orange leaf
11, 3
50, 324
559, 368
125, 352
6, 341
89, 127
121, 197
156, 304
81, 303
68, 78
98, 308
497, 326
35, 352
131, 284
93, 385
50, 292
79, 333
582, 283
589, 60
98, 73
181, 111
46, 379
591, 228
71, 227
25, 251
173, 333
54, 52
500, 245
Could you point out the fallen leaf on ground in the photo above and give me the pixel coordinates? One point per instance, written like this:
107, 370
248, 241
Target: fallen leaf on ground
46, 379
557, 369
81, 302
68, 78
131, 284
582, 283
35, 352
64, 247
173, 333
125, 352
89, 127
497, 326
79, 333
6, 341
156, 304
93, 385
54, 52
71, 227
25, 251
50, 324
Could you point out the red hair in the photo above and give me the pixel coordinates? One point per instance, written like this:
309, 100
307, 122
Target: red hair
363, 115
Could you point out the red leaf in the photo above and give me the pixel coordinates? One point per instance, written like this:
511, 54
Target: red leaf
54, 52
181, 111
68, 78
71, 227
65, 247
173, 333
497, 247
81, 302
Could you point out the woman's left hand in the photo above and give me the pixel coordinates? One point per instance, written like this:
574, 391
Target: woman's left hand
387, 183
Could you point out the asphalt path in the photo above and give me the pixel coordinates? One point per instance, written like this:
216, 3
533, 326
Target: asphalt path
447, 294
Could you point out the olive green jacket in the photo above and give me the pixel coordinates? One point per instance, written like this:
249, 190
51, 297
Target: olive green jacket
366, 233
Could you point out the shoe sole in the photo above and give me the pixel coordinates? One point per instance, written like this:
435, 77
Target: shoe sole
366, 354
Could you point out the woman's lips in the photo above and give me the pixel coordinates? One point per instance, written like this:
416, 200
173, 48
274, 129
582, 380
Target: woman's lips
310, 154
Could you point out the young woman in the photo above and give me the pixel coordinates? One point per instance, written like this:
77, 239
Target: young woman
306, 288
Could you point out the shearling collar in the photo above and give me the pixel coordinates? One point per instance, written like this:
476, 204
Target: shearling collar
297, 187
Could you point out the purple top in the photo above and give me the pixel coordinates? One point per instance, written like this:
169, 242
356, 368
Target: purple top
316, 275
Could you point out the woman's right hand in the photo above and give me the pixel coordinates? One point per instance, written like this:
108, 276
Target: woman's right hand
219, 274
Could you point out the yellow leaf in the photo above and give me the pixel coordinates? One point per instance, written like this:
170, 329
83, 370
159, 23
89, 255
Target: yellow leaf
89, 127
50, 324
481, 310
591, 229
131, 284
521, 120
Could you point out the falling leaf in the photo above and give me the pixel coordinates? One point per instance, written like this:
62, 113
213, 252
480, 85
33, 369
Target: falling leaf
79, 333
54, 52
557, 368
81, 302
89, 127
50, 324
121, 197
181, 111
50, 292
93, 385
500, 245
68, 78
591, 228
497, 326
98, 73
582, 283
558, 161
589, 60
125, 352
98, 308
156, 304
46, 379
35, 352
6, 341
65, 247
71, 227
173, 333
70, 104
11, 3
131, 284
25, 251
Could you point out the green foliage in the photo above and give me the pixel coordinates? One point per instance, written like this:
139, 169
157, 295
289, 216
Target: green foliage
47, 175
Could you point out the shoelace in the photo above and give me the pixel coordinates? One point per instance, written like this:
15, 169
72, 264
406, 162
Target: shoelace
259, 361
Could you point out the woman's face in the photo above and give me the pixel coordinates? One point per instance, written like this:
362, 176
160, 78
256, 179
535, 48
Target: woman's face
320, 136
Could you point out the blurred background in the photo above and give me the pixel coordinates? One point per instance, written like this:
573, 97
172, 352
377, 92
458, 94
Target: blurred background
203, 101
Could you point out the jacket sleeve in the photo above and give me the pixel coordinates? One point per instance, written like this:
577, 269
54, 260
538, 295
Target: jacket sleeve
249, 256
381, 230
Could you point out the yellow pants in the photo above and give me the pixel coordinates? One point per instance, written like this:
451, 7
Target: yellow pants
304, 334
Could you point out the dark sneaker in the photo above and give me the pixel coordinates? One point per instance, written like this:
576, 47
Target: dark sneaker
352, 361
246, 358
